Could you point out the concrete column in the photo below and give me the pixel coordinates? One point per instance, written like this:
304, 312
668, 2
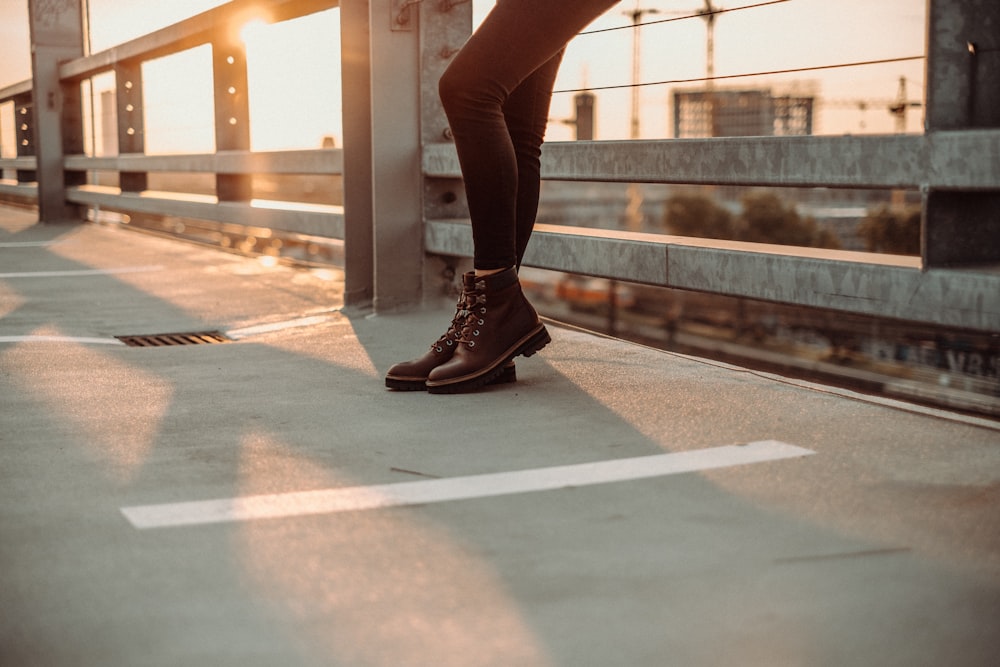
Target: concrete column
56, 31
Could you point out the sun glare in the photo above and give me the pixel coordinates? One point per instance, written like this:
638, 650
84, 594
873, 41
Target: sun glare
251, 30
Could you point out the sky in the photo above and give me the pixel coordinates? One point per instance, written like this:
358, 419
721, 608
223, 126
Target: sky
297, 111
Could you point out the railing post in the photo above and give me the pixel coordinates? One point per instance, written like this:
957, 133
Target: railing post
232, 111
56, 35
390, 101
963, 93
131, 125
24, 134
444, 26
356, 73
393, 53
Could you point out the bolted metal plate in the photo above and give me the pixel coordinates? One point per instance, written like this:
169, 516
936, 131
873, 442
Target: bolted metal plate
169, 339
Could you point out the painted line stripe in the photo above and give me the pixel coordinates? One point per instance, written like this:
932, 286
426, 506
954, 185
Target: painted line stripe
82, 340
29, 244
81, 272
351, 499
243, 332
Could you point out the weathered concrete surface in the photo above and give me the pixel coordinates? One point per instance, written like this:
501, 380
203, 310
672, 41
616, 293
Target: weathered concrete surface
882, 548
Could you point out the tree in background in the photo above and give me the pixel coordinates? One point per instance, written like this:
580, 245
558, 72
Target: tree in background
765, 218
695, 215
892, 230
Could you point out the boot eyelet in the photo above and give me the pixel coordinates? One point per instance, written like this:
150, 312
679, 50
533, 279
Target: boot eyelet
472, 343
450, 343
482, 321
476, 332
483, 310
440, 349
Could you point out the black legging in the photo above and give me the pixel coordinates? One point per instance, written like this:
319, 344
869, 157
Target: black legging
496, 94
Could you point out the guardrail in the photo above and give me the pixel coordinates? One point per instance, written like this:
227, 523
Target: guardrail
404, 215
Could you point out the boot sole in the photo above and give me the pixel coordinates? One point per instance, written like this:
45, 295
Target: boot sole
531, 343
508, 374
405, 385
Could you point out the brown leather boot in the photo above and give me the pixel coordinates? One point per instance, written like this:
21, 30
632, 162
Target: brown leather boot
500, 325
412, 375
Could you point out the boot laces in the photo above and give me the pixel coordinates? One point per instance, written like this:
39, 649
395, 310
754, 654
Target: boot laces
464, 311
474, 318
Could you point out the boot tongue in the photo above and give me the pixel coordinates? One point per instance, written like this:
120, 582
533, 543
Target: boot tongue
469, 280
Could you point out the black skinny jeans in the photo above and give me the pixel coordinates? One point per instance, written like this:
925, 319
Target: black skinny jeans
496, 94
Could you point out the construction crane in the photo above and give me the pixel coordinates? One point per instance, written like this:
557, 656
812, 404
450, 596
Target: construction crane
708, 13
636, 14
633, 213
901, 104
897, 107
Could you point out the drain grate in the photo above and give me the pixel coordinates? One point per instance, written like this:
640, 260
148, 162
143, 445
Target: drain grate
165, 339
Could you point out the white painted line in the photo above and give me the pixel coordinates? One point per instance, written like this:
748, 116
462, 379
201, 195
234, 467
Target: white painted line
236, 334
29, 244
351, 499
81, 340
81, 272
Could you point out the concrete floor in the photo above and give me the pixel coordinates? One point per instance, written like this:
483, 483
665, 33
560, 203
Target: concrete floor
882, 547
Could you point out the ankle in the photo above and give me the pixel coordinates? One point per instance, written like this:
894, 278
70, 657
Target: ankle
489, 272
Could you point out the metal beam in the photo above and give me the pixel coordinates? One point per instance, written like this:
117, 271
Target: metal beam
195, 31
321, 161
881, 285
943, 160
311, 219
15, 89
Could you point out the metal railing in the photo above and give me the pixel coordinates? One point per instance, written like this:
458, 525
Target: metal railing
404, 214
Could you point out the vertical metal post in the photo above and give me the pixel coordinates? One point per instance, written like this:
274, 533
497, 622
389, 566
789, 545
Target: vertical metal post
72, 129
56, 31
963, 93
397, 183
355, 65
24, 121
131, 124
444, 28
393, 53
232, 112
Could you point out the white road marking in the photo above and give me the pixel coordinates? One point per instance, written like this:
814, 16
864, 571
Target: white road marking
81, 340
350, 499
243, 332
81, 272
29, 244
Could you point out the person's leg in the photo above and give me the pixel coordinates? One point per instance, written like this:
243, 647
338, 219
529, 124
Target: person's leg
496, 94
526, 113
519, 42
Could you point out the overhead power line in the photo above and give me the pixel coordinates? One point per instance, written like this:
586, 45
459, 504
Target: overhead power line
685, 17
746, 75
